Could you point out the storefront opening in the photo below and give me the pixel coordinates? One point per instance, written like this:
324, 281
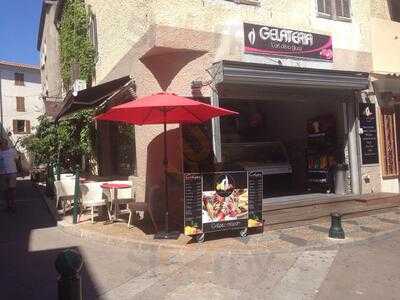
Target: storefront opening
297, 137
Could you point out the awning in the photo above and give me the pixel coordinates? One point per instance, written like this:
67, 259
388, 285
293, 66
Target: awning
274, 75
94, 96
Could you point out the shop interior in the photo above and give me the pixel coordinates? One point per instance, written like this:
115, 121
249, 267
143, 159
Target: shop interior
296, 137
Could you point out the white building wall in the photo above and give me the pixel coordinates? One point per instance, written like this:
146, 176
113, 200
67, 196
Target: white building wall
34, 106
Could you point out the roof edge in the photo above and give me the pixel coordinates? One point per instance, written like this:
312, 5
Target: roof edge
19, 65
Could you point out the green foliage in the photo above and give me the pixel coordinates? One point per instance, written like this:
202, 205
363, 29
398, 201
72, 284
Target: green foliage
75, 45
76, 138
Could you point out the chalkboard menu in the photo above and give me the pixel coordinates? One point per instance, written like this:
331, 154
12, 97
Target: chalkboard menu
193, 187
255, 195
369, 140
219, 201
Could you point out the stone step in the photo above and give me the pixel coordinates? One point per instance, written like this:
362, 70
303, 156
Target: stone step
307, 211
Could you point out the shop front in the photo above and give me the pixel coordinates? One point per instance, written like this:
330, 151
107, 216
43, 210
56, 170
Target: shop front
296, 126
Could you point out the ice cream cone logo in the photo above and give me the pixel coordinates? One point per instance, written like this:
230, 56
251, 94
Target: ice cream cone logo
367, 112
224, 185
252, 36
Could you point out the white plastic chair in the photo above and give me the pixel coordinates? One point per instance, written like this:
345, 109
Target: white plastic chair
67, 176
127, 196
92, 196
64, 192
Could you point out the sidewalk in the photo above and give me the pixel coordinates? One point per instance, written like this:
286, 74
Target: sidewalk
298, 263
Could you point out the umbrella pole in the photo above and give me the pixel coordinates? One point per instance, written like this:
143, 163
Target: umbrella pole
166, 234
166, 176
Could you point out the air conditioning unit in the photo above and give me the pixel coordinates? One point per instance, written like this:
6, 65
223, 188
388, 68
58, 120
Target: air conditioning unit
78, 85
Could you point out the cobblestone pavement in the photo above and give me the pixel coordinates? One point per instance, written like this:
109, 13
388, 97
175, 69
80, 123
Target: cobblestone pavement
291, 264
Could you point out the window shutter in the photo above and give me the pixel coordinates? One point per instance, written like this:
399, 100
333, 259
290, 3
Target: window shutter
324, 7
339, 7
20, 104
343, 8
389, 157
27, 126
19, 79
15, 126
346, 8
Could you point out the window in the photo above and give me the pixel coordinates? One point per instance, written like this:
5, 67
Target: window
388, 142
21, 126
394, 7
19, 79
334, 9
20, 104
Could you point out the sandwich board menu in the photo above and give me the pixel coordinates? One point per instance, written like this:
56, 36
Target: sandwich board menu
220, 201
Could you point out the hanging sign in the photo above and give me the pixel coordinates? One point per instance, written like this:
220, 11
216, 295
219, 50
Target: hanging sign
222, 201
369, 140
268, 40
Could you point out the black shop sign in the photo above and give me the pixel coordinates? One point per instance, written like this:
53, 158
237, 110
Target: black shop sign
267, 40
369, 140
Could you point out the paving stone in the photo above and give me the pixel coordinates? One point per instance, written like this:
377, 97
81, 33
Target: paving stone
391, 221
369, 229
353, 222
319, 228
293, 240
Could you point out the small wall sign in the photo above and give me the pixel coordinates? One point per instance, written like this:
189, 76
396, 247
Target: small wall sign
266, 40
369, 139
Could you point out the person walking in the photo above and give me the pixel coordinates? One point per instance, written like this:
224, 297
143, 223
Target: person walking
8, 174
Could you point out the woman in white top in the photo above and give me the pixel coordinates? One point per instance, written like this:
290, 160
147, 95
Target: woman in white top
8, 173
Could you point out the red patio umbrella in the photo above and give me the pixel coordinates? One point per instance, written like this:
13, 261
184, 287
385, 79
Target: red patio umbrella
164, 108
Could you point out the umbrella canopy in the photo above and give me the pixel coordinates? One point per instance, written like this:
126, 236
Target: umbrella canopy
163, 108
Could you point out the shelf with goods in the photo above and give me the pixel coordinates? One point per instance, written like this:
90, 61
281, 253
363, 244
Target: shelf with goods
320, 155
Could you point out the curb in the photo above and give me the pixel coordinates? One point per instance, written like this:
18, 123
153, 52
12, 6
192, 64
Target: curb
151, 246
112, 240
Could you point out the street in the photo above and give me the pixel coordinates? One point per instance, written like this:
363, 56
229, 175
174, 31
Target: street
30, 242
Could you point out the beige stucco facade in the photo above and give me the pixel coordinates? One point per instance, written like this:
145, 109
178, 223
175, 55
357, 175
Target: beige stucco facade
165, 45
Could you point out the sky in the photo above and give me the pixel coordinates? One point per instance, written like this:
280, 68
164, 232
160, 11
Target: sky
19, 24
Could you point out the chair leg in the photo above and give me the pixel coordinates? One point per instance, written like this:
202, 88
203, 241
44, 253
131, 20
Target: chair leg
130, 215
129, 219
92, 213
108, 208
